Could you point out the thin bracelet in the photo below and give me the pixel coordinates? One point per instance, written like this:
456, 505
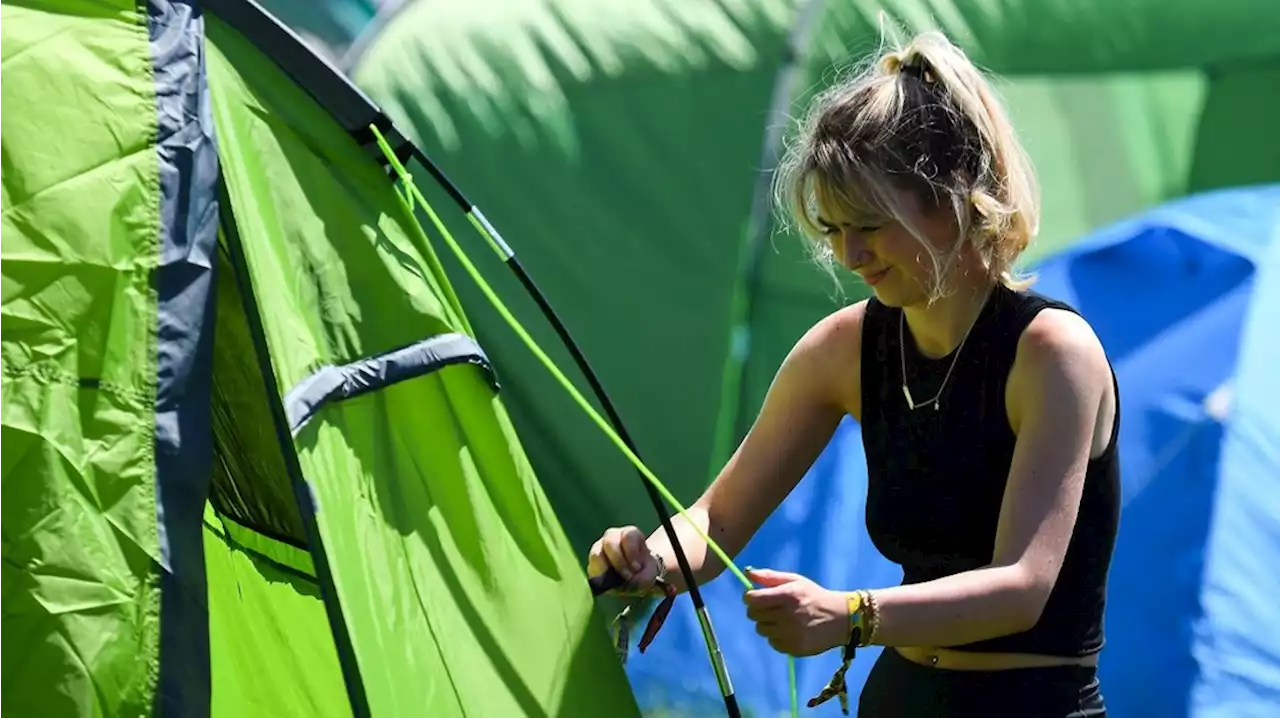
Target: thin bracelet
872, 620
662, 565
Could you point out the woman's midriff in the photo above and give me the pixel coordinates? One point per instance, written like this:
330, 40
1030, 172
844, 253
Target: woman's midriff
973, 661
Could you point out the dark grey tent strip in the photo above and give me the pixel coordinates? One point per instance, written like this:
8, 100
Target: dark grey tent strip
187, 162
336, 383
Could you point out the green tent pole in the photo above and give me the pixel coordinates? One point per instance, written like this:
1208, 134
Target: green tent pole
611, 579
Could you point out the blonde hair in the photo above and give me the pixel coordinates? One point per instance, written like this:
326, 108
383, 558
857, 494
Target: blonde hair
919, 121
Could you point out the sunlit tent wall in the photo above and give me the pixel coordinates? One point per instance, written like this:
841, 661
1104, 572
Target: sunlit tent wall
619, 146
255, 463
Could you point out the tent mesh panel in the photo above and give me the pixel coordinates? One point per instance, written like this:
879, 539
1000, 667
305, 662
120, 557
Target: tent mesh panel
250, 481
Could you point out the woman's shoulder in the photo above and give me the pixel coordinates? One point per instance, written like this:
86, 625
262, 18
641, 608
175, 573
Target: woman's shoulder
839, 333
1046, 328
1058, 331
1061, 360
830, 353
1060, 373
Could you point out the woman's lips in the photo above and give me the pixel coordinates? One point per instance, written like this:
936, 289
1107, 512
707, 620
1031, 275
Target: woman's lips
874, 279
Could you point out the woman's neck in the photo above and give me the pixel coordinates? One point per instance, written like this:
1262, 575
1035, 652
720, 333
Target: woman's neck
938, 328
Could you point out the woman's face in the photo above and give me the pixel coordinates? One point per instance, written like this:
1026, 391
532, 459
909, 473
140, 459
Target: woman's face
887, 257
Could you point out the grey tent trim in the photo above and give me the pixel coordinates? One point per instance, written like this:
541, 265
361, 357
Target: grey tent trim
187, 164
337, 383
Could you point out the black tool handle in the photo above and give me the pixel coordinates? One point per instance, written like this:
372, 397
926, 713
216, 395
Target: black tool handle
606, 582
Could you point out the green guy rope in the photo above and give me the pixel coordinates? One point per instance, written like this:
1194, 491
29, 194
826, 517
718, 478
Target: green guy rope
411, 194
548, 362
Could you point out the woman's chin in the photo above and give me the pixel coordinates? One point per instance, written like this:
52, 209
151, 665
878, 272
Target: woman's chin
887, 291
887, 297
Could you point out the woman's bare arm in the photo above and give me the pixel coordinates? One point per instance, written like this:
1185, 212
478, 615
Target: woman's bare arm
810, 393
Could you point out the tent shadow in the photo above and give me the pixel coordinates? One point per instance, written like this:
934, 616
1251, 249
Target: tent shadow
579, 670
479, 630
391, 492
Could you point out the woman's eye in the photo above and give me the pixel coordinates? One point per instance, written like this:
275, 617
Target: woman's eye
828, 230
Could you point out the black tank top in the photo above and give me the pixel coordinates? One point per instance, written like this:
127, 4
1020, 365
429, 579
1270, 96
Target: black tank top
936, 477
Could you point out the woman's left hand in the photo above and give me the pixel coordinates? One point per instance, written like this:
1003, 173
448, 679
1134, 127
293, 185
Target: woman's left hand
799, 617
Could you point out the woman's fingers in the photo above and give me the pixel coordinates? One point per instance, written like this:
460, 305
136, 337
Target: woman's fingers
614, 548
597, 562
641, 563
635, 549
625, 550
644, 579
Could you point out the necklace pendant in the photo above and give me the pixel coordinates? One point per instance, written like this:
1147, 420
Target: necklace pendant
937, 406
907, 393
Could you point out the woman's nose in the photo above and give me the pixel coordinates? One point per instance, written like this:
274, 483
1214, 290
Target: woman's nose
856, 251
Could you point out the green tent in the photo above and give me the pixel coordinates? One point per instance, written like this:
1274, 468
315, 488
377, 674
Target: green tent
622, 147
255, 461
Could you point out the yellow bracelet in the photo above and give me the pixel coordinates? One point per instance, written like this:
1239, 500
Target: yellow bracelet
857, 625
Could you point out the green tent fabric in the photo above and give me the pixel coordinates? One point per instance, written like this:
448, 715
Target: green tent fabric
620, 147
255, 461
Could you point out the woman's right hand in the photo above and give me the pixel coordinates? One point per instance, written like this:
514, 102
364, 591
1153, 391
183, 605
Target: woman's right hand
625, 550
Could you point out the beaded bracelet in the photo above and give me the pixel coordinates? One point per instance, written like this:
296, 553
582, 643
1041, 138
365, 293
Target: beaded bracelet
872, 617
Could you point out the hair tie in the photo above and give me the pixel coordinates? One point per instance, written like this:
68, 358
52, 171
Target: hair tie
916, 68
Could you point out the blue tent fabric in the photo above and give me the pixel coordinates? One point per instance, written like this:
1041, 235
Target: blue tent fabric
1186, 299
1171, 293
1237, 643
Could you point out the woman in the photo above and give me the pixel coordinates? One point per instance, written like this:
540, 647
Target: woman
989, 414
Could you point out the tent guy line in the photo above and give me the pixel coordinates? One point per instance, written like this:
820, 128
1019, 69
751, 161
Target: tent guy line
654, 486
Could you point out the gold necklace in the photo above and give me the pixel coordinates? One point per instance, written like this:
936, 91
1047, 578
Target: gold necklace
902, 353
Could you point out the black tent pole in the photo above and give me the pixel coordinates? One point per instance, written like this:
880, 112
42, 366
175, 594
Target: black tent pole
611, 579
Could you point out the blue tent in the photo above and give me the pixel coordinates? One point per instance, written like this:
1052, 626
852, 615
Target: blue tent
1186, 299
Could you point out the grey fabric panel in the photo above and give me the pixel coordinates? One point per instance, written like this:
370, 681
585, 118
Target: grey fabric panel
188, 209
336, 383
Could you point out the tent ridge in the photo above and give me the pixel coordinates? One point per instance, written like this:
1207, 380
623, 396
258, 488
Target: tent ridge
328, 86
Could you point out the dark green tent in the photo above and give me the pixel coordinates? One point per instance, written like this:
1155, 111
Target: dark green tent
621, 146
